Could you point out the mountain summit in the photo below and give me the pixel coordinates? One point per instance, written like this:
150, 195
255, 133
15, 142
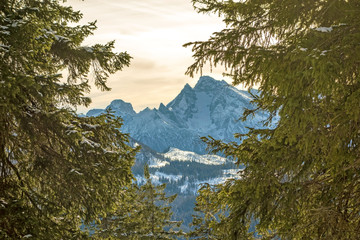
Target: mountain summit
210, 108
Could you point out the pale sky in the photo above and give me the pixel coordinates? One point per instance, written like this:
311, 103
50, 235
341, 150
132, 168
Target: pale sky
152, 32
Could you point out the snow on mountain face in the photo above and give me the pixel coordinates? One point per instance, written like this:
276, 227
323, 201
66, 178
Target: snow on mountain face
218, 107
159, 160
159, 132
183, 105
178, 155
185, 171
210, 108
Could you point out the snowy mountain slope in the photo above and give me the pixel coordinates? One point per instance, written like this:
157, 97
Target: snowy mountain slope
175, 154
183, 171
160, 132
159, 160
210, 108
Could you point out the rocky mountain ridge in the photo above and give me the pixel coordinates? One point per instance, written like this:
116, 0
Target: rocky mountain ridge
210, 108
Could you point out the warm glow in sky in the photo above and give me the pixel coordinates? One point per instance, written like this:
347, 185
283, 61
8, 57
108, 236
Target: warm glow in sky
152, 32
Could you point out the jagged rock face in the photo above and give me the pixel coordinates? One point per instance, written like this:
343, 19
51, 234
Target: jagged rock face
210, 108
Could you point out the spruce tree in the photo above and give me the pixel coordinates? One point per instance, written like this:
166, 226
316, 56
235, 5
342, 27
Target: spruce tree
57, 170
145, 214
301, 179
156, 211
208, 214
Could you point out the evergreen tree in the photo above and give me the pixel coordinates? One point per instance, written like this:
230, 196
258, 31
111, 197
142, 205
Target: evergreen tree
145, 214
123, 222
57, 170
301, 179
208, 214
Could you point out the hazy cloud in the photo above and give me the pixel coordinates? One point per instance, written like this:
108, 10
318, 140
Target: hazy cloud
152, 32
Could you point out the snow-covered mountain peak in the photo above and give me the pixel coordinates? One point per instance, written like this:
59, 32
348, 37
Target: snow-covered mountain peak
118, 107
146, 112
121, 107
207, 83
183, 104
187, 87
161, 106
